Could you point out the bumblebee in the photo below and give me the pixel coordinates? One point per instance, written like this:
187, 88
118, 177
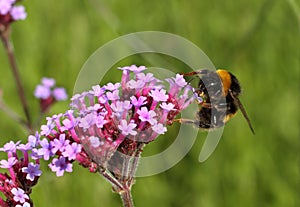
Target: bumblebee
219, 93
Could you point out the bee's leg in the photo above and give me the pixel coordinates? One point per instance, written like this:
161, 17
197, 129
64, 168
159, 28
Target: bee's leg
200, 72
185, 121
190, 73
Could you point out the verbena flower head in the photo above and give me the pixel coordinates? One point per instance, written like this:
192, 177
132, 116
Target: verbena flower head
61, 145
24, 172
123, 116
10, 12
48, 94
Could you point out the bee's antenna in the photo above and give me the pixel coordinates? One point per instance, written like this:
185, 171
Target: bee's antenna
239, 103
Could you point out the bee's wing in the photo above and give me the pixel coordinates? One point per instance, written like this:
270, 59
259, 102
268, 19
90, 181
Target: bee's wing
210, 144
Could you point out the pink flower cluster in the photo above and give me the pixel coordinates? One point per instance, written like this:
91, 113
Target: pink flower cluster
48, 93
122, 116
56, 142
61, 144
24, 173
10, 12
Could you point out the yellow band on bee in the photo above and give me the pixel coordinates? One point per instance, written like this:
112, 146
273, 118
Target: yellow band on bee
226, 80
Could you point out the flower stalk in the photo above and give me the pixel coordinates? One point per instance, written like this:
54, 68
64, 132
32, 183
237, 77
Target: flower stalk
126, 198
5, 38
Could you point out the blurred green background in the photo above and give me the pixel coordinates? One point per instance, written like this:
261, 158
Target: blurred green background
257, 40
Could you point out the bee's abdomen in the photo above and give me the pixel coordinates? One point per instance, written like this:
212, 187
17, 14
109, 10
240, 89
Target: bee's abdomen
210, 118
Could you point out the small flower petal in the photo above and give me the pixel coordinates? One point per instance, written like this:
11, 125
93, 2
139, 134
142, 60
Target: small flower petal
126, 128
60, 94
18, 13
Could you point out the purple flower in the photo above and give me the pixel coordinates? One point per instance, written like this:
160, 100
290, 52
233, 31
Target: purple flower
117, 107
18, 13
34, 140
96, 107
10, 147
126, 128
47, 129
133, 68
113, 95
112, 87
159, 128
26, 204
87, 121
5, 6
35, 154
32, 171
76, 97
145, 77
60, 165
127, 105
100, 121
71, 151
48, 82
159, 95
60, 94
95, 141
167, 107
45, 151
179, 80
103, 99
8, 163
59, 144
67, 125
19, 195
97, 90
42, 92
132, 84
24, 147
146, 115
138, 102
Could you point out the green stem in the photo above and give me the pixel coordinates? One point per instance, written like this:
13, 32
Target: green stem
14, 68
12, 114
